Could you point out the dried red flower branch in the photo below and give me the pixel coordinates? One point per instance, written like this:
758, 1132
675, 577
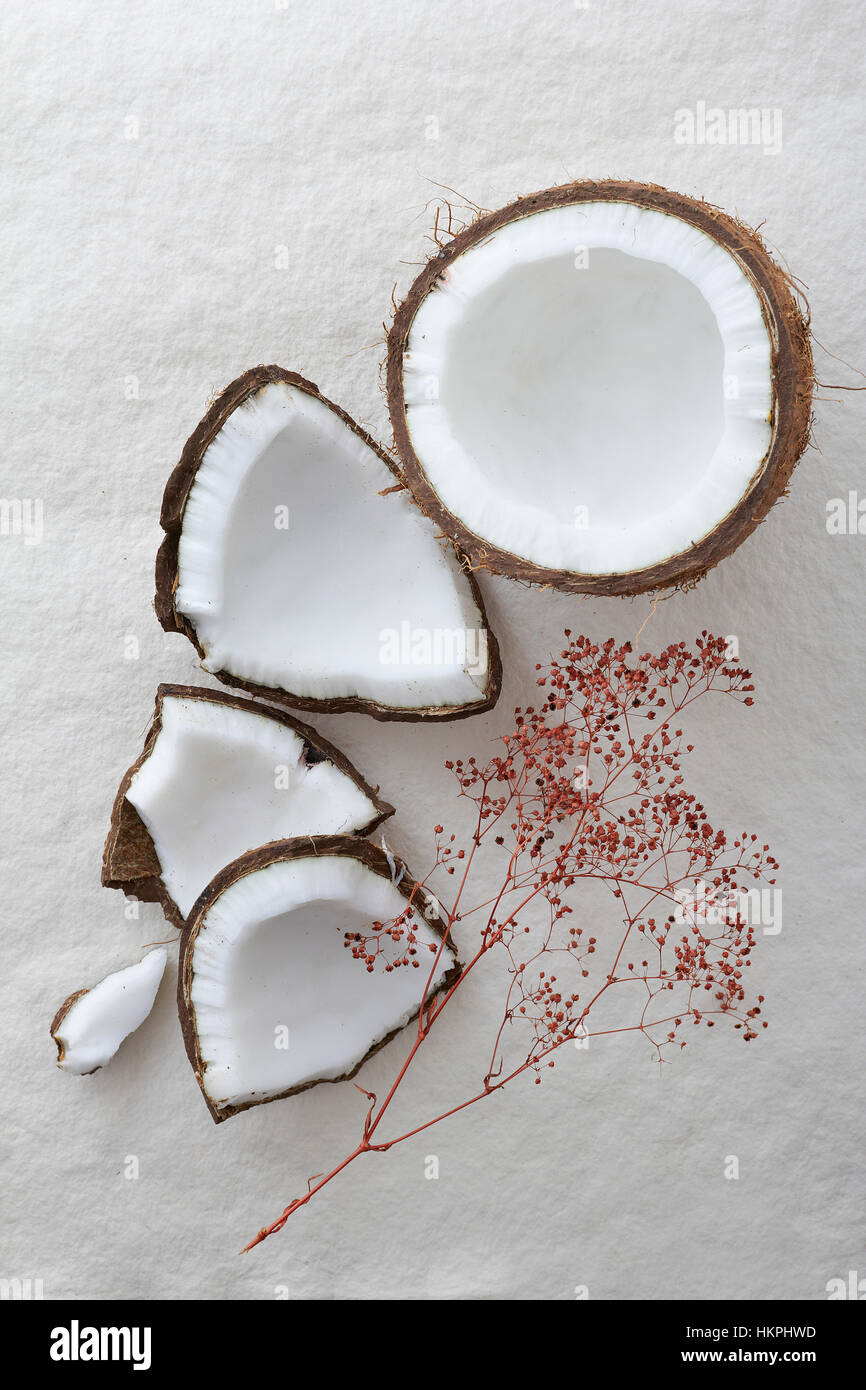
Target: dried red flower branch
589, 787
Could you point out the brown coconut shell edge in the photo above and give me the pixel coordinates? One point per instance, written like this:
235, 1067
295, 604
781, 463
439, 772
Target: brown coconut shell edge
174, 501
278, 852
57, 1021
130, 861
793, 384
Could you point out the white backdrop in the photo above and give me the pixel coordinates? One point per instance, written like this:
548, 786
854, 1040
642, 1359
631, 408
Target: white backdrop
159, 156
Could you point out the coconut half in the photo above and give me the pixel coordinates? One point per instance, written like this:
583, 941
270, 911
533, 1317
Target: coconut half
603, 387
297, 565
270, 1000
220, 775
90, 1025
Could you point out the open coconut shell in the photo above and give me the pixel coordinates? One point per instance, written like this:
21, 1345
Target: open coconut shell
396, 996
435, 338
130, 858
471, 690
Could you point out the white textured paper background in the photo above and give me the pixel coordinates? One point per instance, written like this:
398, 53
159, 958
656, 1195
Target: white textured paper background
157, 156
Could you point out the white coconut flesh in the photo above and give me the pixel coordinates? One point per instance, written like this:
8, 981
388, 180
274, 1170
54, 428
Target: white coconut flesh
590, 388
278, 999
297, 574
96, 1023
220, 781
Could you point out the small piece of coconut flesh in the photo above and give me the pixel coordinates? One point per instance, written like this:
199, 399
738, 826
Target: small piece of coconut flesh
91, 1025
297, 574
221, 780
277, 1000
604, 387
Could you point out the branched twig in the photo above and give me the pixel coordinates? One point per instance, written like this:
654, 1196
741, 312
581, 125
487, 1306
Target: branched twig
588, 787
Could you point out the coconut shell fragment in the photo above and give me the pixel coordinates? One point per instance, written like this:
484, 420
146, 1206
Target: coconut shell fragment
91, 1024
271, 1001
298, 567
220, 775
